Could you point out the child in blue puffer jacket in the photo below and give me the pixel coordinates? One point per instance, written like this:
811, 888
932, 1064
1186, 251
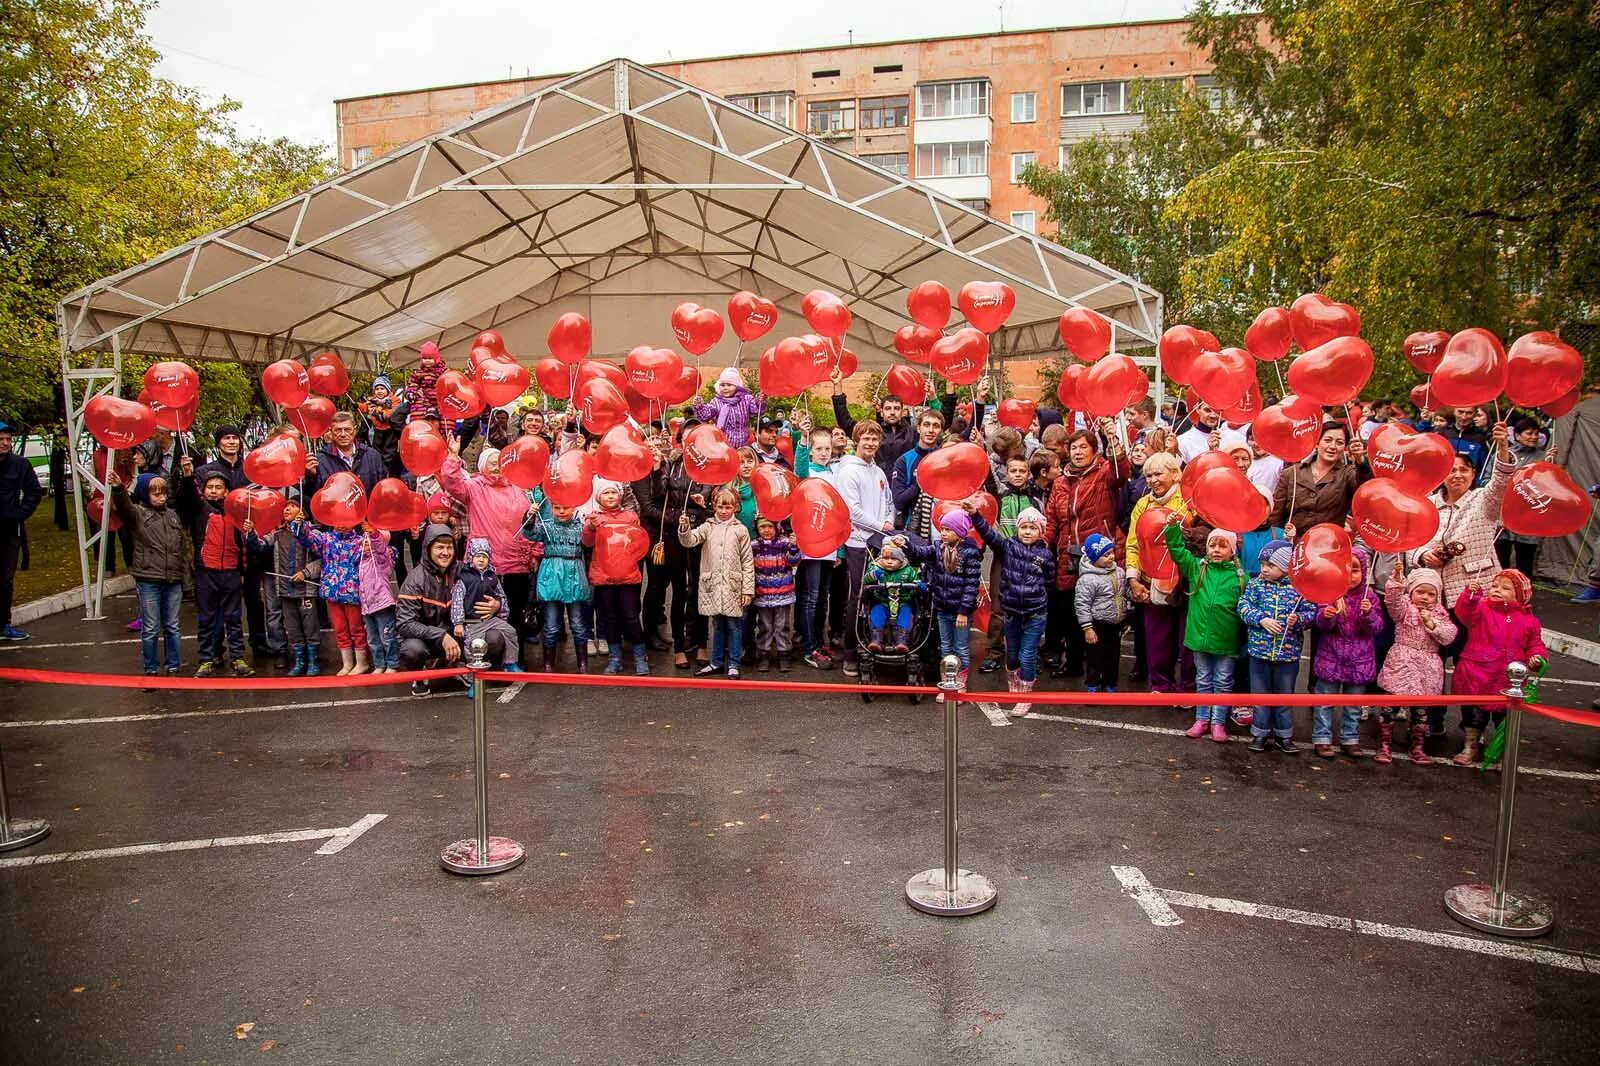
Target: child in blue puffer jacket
1276, 618
1027, 573
954, 574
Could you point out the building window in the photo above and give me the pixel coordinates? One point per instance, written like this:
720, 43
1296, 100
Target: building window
1024, 107
360, 154
956, 159
953, 99
894, 162
1094, 98
824, 73
773, 106
888, 68
830, 116
1066, 157
1019, 160
1023, 220
885, 112
1210, 93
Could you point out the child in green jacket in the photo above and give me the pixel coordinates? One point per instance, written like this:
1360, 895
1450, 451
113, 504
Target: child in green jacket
1212, 629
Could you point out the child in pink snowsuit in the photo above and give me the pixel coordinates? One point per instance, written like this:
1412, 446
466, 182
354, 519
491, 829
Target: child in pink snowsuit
731, 409
1501, 629
420, 388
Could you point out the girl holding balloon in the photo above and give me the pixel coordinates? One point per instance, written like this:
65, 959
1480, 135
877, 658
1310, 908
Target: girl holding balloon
1345, 660
1212, 628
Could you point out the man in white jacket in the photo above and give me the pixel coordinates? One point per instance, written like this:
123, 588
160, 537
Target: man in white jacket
865, 489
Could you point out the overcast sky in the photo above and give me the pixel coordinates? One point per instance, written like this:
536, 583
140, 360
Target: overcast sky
287, 61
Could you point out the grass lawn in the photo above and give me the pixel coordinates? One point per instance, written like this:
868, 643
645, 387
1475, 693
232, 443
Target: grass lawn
53, 565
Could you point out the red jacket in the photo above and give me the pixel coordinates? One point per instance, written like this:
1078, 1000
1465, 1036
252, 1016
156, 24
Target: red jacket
1082, 504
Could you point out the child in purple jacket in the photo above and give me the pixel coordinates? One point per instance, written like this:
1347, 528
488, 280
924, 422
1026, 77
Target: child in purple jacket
731, 409
377, 602
1346, 658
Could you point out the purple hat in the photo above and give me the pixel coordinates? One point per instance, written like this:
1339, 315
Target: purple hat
956, 522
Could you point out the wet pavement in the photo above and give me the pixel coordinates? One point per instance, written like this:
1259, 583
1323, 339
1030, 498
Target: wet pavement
716, 878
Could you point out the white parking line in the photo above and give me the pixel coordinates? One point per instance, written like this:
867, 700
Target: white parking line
995, 715
21, 644
1157, 904
338, 839
220, 712
511, 692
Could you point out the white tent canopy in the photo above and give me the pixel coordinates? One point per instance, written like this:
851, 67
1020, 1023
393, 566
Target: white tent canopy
618, 193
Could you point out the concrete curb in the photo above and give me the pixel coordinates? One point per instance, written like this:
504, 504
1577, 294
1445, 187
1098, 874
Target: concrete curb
1577, 647
72, 599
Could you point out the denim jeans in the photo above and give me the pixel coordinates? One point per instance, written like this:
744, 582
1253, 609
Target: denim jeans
954, 639
577, 618
158, 617
727, 640
1212, 673
809, 582
1023, 633
382, 638
1267, 676
1349, 717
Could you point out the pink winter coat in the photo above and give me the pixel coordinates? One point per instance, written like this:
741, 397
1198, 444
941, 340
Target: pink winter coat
372, 575
1413, 666
495, 510
1497, 635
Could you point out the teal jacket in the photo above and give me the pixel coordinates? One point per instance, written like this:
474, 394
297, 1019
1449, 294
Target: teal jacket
561, 572
1212, 623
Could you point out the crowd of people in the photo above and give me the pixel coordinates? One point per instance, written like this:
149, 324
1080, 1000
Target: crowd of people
723, 589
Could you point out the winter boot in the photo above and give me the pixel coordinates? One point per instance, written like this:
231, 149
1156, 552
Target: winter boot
347, 660
613, 662
785, 661
286, 659
1471, 750
297, 666
1419, 735
641, 662
1022, 709
1384, 756
1199, 729
580, 651
363, 663
313, 660
547, 661
875, 645
961, 680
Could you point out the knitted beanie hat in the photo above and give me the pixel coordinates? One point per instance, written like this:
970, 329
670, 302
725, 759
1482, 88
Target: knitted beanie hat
957, 522
1097, 547
1228, 537
1520, 582
1030, 516
1424, 576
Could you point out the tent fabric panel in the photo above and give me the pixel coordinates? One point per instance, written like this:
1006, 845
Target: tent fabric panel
418, 233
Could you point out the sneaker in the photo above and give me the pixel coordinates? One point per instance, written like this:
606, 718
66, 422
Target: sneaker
603, 647
1354, 751
1109, 688
420, 688
136, 625
151, 673
733, 673
1198, 729
241, 668
12, 633
851, 669
1259, 744
1326, 751
1219, 732
206, 670
1288, 746
989, 665
819, 660
510, 668
1092, 688
1587, 594
1243, 717
707, 670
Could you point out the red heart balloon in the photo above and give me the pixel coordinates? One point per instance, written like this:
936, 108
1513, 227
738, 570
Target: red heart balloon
1069, 390
1270, 335
916, 342
652, 371
312, 417
119, 424
1319, 567
569, 338
708, 458
1473, 369
491, 340
600, 405
1555, 409
1543, 501
590, 369
341, 502
501, 381
773, 486
458, 397
525, 460
1248, 408
1315, 320
986, 505
820, 349
1422, 396
1018, 414
953, 473
905, 384
618, 547
391, 506
642, 408
786, 449
773, 379
697, 328
959, 358
422, 449
751, 315
928, 304
1179, 347
1540, 368
1112, 384
327, 375
263, 508
286, 383
987, 304
826, 313
685, 388
1203, 463
623, 455
1390, 519
569, 481
95, 508
277, 463
1086, 333
1332, 373
480, 355
1222, 378
1155, 559
1289, 429
176, 419
172, 384
1224, 497
554, 378
820, 518
1424, 349
848, 363
1417, 462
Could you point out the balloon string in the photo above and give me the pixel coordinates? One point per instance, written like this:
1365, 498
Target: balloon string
1283, 390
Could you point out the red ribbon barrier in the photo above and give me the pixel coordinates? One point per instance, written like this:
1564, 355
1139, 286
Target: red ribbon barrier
1565, 714
236, 684
1228, 699
815, 688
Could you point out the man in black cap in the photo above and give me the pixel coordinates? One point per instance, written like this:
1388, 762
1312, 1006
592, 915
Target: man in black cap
20, 493
228, 460
766, 444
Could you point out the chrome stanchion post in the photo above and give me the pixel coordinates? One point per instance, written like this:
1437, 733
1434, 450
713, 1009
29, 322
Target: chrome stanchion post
481, 853
949, 890
17, 832
1490, 907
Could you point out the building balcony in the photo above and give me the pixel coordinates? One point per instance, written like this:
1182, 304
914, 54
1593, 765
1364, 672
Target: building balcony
1075, 128
963, 187
945, 130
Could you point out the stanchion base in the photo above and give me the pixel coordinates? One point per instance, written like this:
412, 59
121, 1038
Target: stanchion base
20, 832
462, 856
1521, 916
974, 893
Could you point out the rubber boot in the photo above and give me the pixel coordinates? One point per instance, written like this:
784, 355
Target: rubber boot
363, 663
548, 663
641, 660
785, 662
581, 653
1471, 750
347, 660
297, 666
613, 660
1384, 756
1419, 735
313, 660
961, 680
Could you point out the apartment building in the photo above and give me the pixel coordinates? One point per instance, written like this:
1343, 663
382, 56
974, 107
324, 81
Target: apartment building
963, 114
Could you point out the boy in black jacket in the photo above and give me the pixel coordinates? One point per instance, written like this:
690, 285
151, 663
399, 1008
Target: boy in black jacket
219, 556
